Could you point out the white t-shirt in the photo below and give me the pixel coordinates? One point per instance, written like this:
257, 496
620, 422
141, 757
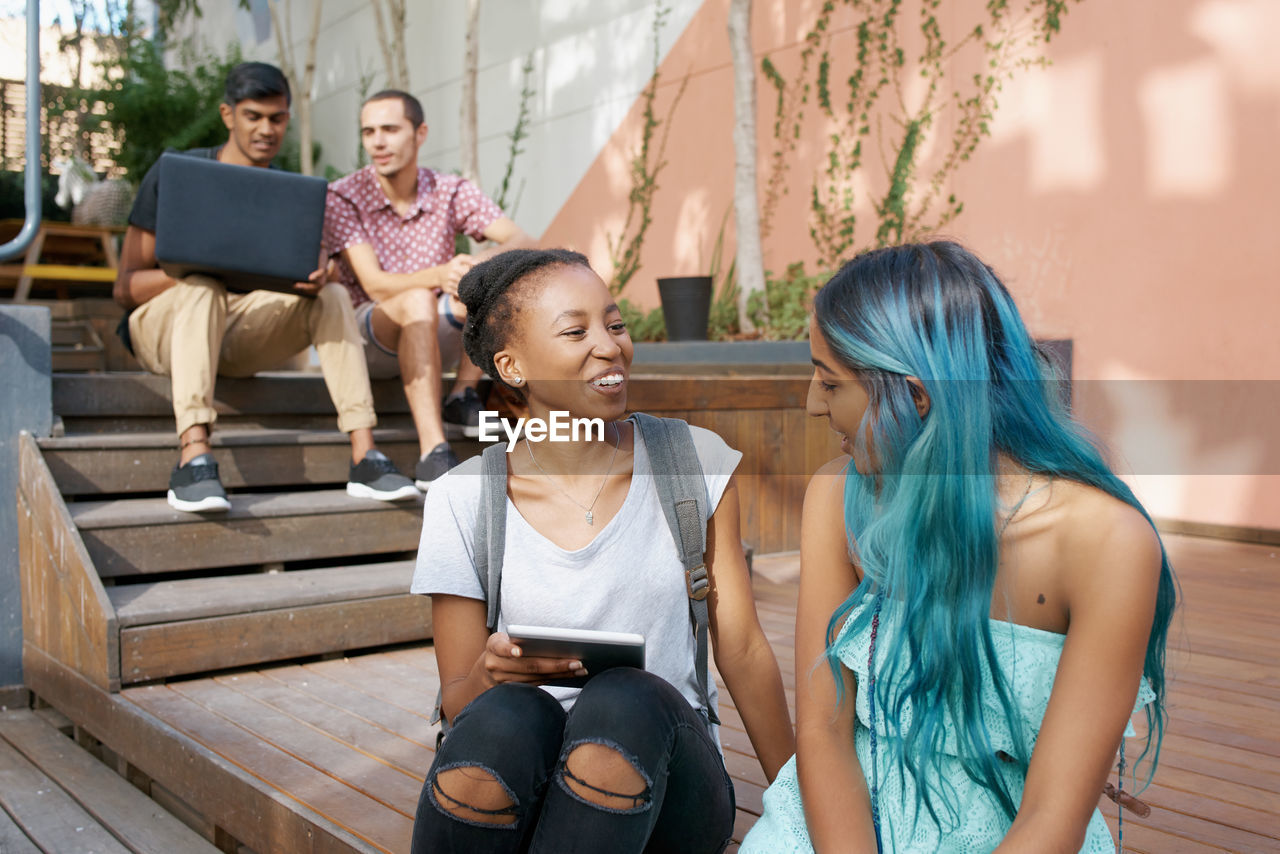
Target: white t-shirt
628, 579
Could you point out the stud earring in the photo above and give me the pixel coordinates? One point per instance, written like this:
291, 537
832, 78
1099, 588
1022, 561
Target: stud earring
517, 380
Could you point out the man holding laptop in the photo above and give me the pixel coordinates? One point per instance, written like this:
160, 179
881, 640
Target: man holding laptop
392, 227
192, 326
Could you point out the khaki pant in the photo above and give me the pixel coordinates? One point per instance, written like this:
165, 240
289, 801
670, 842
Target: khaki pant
196, 330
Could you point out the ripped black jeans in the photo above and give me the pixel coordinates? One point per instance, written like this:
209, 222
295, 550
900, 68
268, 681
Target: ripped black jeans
520, 735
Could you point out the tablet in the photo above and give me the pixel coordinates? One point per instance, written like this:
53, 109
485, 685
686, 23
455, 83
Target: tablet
598, 651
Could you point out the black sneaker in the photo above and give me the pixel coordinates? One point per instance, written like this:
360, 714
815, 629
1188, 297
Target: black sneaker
195, 488
462, 416
434, 464
376, 477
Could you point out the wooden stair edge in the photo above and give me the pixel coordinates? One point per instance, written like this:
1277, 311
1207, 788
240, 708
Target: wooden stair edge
140, 823
301, 393
136, 512
255, 813
165, 650
65, 610
92, 466
229, 438
197, 598
139, 393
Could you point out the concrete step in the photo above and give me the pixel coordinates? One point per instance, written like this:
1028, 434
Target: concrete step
76, 346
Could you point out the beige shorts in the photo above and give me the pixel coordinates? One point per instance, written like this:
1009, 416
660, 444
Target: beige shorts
384, 362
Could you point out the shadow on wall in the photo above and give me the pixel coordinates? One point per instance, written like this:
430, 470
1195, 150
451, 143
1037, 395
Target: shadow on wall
1127, 197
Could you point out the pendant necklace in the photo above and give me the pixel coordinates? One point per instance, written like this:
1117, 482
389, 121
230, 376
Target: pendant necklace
590, 516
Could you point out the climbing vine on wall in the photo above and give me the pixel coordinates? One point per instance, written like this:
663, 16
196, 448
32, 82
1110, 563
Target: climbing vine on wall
903, 83
625, 248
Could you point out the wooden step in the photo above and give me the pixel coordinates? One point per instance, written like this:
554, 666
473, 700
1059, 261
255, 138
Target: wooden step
228, 794
200, 624
144, 535
57, 797
97, 464
144, 394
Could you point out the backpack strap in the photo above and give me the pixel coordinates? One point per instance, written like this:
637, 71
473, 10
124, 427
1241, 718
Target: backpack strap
682, 492
491, 532
491, 527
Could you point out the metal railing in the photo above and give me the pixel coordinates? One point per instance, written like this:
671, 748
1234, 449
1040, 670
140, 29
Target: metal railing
31, 186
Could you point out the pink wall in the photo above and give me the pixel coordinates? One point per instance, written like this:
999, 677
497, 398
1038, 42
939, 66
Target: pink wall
1127, 196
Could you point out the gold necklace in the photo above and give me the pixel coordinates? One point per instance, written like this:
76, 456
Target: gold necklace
590, 517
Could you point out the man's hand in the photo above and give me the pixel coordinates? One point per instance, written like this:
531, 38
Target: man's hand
454, 270
314, 282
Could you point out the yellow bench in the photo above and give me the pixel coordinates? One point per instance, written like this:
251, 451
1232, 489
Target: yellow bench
73, 242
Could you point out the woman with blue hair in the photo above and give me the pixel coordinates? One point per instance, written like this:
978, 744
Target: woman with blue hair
983, 603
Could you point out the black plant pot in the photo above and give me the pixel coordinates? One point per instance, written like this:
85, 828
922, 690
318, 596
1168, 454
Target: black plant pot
686, 306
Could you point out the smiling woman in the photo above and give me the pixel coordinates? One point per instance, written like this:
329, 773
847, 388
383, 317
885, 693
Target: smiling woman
630, 761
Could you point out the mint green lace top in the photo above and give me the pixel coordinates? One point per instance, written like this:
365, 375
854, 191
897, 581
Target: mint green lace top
1029, 660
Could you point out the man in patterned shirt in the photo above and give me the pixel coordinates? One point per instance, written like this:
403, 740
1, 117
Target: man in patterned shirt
391, 226
193, 330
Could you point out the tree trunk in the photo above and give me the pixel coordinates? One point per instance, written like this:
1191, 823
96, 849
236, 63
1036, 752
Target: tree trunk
301, 86
397, 44
750, 256
304, 96
469, 136
391, 41
384, 44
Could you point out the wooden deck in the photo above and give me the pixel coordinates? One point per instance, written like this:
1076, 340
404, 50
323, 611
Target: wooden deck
347, 741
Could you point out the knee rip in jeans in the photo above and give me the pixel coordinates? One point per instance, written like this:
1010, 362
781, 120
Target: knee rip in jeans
602, 775
474, 795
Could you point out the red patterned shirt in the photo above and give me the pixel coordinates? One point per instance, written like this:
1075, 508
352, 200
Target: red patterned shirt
358, 211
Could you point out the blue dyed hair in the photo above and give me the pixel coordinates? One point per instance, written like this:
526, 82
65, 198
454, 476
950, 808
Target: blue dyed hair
923, 523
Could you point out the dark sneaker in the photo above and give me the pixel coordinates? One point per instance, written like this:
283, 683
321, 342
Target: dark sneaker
462, 416
195, 488
376, 477
434, 464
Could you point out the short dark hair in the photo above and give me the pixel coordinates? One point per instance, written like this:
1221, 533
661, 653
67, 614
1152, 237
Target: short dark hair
412, 106
492, 307
253, 81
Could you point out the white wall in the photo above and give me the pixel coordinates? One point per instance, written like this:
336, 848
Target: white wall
591, 57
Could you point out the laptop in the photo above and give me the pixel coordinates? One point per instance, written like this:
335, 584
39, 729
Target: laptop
252, 228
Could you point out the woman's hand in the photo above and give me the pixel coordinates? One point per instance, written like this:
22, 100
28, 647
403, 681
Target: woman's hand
471, 660
743, 655
833, 787
504, 661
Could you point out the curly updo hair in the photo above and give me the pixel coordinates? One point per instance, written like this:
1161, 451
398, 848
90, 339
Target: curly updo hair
493, 302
